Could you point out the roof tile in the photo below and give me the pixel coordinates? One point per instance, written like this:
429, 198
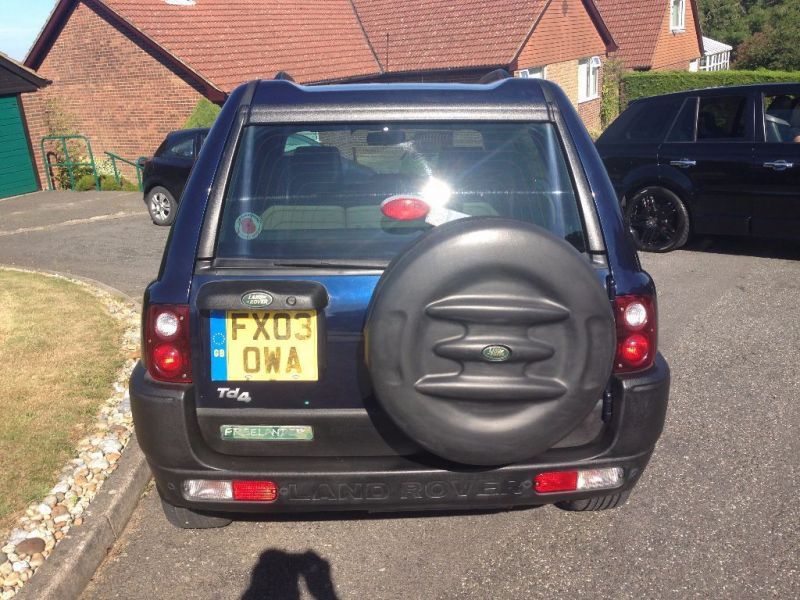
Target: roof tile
635, 27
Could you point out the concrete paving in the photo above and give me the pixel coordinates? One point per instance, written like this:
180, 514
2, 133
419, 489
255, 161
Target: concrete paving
715, 515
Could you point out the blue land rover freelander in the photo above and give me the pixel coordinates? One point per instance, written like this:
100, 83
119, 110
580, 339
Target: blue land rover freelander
393, 297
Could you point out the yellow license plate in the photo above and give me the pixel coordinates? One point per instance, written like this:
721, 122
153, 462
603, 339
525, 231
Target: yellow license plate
264, 345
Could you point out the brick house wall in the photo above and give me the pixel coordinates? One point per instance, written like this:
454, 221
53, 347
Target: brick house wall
108, 88
565, 74
566, 30
675, 50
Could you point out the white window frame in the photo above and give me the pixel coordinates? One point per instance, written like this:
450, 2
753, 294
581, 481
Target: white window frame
532, 73
680, 24
589, 78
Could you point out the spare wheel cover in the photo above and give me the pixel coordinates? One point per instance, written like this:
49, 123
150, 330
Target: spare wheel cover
489, 340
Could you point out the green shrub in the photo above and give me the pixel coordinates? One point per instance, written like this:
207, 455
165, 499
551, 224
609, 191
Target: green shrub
611, 101
61, 174
85, 183
653, 83
203, 115
129, 186
109, 184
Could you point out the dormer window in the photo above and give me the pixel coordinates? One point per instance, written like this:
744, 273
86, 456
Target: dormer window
677, 19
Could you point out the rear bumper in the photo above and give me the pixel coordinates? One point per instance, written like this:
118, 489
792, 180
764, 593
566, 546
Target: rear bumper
167, 430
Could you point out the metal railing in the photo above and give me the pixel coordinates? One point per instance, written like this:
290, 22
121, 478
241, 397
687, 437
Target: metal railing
69, 164
137, 167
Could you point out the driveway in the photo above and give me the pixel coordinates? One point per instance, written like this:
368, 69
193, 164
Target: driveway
106, 236
715, 516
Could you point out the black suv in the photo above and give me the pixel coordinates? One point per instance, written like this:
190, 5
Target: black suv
712, 161
431, 303
165, 174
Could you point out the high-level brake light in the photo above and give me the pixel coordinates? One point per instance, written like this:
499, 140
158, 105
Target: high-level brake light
405, 208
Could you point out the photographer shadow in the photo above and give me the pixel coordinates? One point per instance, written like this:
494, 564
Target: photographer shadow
277, 576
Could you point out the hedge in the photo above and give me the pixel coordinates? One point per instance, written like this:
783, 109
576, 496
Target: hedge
653, 83
203, 115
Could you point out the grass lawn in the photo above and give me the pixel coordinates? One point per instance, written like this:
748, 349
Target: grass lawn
59, 355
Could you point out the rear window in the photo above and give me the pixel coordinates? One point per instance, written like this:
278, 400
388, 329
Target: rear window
646, 121
316, 193
179, 146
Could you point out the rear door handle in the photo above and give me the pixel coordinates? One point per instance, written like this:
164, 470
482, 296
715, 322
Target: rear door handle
778, 165
683, 163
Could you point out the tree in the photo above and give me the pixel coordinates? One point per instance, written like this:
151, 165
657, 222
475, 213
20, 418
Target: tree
777, 43
724, 20
764, 33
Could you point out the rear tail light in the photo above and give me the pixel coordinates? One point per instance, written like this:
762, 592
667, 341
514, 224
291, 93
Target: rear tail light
556, 481
577, 481
166, 343
238, 490
255, 491
636, 333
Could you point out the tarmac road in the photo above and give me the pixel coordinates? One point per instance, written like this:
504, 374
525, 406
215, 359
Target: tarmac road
106, 236
715, 515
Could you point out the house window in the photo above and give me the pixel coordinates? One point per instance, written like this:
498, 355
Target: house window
588, 78
532, 73
677, 20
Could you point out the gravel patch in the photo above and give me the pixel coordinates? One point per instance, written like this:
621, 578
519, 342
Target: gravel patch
48, 520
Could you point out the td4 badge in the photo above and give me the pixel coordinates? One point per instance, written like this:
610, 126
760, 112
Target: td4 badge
234, 394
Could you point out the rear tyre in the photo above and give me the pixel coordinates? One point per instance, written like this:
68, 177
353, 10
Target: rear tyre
657, 219
161, 205
596, 503
186, 518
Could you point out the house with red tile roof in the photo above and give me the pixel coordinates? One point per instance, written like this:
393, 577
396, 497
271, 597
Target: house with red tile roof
655, 34
125, 72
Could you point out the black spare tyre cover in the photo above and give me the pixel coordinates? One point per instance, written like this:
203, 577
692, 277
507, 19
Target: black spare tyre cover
489, 340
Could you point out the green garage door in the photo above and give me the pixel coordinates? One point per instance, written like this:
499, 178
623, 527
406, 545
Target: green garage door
16, 166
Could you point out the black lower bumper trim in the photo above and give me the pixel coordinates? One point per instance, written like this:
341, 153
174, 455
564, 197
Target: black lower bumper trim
168, 433
396, 490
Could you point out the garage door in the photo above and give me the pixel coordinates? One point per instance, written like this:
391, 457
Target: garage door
16, 166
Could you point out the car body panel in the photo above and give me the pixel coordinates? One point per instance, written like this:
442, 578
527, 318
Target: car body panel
171, 170
193, 413
727, 189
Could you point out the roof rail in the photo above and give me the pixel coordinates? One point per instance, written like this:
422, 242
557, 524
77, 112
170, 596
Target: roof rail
283, 76
495, 75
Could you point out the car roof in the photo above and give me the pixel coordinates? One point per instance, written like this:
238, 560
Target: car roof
751, 87
529, 93
189, 131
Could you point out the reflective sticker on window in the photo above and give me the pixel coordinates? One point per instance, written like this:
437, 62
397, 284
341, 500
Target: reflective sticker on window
248, 226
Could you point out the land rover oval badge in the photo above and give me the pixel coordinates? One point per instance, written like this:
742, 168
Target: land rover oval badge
496, 353
256, 299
